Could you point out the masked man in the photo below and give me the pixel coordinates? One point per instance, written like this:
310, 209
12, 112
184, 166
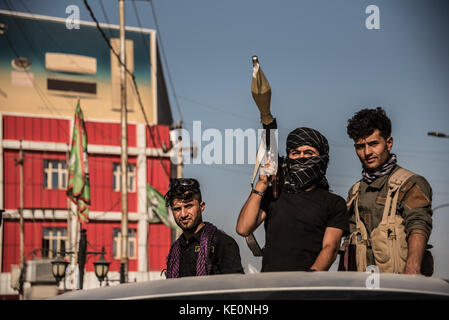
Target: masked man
202, 249
390, 208
304, 225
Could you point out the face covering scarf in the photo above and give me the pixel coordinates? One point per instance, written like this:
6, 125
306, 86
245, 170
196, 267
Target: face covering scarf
385, 169
303, 173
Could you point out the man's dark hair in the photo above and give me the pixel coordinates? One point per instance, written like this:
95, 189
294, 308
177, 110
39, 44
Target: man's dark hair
364, 122
184, 193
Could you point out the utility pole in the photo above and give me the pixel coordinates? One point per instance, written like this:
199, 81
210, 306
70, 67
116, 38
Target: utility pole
179, 167
180, 162
124, 150
180, 150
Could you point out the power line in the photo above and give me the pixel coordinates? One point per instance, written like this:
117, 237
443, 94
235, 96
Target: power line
136, 88
43, 98
105, 16
36, 52
60, 48
149, 57
165, 57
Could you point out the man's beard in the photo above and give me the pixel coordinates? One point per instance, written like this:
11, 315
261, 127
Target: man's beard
195, 223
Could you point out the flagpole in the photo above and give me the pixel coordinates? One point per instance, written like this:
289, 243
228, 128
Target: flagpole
124, 151
75, 256
69, 218
78, 188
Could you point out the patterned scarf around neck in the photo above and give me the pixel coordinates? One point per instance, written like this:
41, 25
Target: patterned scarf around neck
203, 263
385, 169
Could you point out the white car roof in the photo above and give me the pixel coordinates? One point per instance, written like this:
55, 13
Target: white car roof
274, 285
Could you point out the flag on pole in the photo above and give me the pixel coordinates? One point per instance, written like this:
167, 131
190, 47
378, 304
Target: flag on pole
157, 204
78, 188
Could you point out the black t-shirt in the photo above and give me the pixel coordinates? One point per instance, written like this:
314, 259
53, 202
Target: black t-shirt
224, 254
295, 226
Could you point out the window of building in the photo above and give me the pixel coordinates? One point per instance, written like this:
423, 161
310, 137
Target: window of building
53, 241
132, 241
55, 174
117, 177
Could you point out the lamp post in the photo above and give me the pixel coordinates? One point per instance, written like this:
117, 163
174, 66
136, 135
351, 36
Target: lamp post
437, 134
59, 265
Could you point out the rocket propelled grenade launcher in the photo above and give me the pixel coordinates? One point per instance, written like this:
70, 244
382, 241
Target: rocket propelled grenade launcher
261, 92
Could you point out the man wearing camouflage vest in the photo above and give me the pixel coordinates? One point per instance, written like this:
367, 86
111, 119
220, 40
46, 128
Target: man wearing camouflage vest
390, 208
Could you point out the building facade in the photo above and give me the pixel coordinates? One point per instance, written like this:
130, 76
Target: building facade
44, 68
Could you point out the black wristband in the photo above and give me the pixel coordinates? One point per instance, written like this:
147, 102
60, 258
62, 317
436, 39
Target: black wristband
257, 192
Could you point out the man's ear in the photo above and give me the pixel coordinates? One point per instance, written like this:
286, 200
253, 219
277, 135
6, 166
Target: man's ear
389, 143
202, 206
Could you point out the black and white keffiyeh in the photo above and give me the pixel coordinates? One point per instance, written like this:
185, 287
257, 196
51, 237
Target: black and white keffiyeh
302, 173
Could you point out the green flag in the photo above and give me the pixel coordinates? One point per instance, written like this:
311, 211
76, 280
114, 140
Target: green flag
156, 202
78, 188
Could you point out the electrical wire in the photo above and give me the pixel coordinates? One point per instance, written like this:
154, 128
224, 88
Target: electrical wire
129, 72
165, 57
42, 95
105, 17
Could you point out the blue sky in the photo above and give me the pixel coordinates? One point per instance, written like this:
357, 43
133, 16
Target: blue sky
323, 65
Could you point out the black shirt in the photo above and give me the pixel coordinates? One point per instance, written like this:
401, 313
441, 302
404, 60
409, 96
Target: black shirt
224, 254
295, 226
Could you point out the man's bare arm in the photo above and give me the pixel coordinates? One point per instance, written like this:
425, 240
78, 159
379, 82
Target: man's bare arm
251, 216
328, 253
417, 243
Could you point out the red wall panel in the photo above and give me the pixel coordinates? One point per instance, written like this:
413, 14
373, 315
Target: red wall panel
36, 129
35, 195
158, 173
159, 235
103, 198
159, 240
109, 134
157, 134
11, 180
101, 178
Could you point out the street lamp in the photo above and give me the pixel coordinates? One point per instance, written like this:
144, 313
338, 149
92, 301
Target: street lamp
437, 134
101, 267
58, 268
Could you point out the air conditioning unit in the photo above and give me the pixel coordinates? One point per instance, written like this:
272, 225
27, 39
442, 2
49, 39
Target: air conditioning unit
39, 271
72, 63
